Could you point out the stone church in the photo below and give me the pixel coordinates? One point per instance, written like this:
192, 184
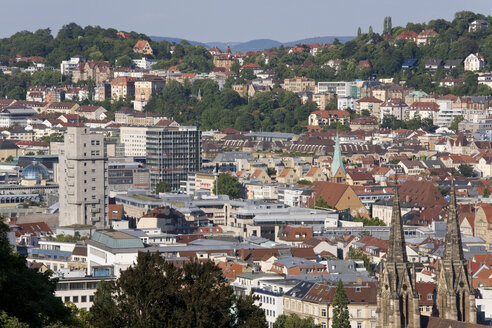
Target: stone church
398, 300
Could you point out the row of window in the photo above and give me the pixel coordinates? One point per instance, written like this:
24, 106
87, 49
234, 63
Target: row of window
267, 300
75, 299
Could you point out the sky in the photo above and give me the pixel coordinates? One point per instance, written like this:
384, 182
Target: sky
230, 20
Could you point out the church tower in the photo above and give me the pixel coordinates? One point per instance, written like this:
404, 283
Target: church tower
398, 300
338, 174
455, 296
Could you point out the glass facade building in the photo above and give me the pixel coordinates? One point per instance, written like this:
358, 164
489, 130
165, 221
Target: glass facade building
172, 153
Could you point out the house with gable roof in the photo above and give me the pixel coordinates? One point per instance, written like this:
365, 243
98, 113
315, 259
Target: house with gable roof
143, 47
483, 222
474, 62
315, 174
287, 175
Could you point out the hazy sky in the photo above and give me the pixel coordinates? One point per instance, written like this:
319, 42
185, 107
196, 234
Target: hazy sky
230, 20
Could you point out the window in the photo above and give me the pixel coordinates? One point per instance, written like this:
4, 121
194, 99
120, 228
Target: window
83, 299
323, 325
67, 299
359, 324
323, 312
75, 299
359, 313
430, 297
91, 298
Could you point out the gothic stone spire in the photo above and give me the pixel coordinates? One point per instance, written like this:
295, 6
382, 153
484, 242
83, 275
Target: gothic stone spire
453, 250
398, 304
455, 295
397, 252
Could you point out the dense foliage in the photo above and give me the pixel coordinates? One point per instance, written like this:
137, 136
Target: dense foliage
97, 43
154, 293
219, 109
27, 296
227, 185
163, 186
294, 321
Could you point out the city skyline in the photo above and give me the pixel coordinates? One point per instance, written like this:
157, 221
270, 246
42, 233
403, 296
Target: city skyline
204, 21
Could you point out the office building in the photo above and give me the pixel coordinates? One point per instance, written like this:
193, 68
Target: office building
172, 153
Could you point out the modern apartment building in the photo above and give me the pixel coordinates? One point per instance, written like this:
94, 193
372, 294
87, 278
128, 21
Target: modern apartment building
172, 153
83, 176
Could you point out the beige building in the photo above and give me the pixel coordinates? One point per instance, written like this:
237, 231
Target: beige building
144, 88
370, 104
315, 174
299, 84
98, 71
261, 175
122, 87
83, 179
313, 300
483, 222
287, 176
241, 89
134, 139
323, 99
205, 181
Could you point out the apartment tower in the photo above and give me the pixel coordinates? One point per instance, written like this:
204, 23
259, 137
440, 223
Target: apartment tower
83, 176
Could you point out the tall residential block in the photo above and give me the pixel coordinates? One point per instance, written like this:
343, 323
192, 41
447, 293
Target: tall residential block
172, 153
83, 176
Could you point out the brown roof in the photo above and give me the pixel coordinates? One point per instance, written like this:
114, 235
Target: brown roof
79, 251
321, 293
33, 228
422, 193
331, 192
424, 289
436, 322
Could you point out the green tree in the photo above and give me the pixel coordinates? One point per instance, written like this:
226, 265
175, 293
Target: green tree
154, 293
304, 182
456, 121
358, 254
27, 294
293, 321
340, 308
9, 159
332, 104
7, 321
486, 192
321, 203
226, 184
124, 61
466, 170
163, 186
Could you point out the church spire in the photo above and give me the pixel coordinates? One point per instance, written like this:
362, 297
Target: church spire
455, 297
398, 301
337, 162
397, 252
453, 249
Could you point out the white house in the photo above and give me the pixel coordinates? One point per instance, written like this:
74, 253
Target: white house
474, 62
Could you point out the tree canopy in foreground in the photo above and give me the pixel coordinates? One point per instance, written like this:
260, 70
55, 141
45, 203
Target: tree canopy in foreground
154, 293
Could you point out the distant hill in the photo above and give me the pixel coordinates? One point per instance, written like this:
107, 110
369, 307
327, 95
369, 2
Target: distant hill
320, 39
257, 45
